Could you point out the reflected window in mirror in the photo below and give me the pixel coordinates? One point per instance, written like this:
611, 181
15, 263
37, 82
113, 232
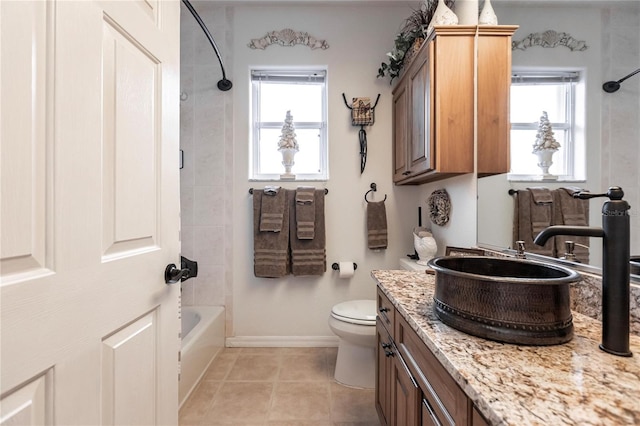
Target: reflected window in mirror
561, 94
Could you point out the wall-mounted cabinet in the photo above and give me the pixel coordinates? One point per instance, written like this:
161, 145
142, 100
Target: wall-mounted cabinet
434, 114
494, 83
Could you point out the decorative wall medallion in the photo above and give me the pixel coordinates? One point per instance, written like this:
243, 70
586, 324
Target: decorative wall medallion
549, 38
288, 37
439, 207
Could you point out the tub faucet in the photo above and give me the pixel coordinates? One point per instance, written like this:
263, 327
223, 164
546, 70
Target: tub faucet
615, 234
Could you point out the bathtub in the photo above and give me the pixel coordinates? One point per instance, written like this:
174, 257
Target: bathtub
202, 338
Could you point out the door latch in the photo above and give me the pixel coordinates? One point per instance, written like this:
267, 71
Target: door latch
188, 269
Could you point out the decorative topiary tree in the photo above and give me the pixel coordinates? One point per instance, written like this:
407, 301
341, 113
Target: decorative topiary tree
288, 146
544, 137
288, 137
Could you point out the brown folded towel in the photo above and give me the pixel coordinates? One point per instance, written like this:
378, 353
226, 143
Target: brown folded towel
376, 225
270, 249
305, 212
529, 219
574, 212
272, 210
308, 257
541, 195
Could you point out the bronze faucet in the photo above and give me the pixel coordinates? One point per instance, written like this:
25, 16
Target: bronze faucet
615, 234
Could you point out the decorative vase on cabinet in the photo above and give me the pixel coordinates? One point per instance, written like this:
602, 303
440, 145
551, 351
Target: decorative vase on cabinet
442, 16
488, 15
467, 12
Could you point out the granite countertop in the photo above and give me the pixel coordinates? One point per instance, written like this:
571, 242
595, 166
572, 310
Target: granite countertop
574, 383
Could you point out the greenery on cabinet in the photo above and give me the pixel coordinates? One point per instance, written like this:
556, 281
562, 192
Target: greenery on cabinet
411, 36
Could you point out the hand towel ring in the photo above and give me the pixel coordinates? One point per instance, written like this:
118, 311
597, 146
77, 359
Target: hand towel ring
374, 188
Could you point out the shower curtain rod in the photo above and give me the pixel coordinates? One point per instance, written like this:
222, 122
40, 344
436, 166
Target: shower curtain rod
223, 84
613, 86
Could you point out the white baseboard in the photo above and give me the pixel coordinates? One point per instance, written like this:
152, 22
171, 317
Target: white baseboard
281, 342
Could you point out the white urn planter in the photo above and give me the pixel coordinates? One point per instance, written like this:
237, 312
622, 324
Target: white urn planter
545, 160
544, 146
288, 156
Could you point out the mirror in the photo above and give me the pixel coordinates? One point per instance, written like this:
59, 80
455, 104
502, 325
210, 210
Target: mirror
607, 124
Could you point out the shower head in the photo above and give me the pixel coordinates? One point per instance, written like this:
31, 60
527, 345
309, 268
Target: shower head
225, 85
613, 86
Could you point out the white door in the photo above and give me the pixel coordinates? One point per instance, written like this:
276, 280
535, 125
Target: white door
89, 211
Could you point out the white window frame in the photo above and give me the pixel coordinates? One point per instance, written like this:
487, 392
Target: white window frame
574, 156
317, 75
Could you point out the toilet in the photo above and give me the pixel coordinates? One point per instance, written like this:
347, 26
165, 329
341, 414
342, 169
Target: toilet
354, 322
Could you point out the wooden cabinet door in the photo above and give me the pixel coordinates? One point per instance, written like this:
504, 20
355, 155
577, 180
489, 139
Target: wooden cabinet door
454, 100
400, 132
405, 394
383, 374
420, 141
494, 82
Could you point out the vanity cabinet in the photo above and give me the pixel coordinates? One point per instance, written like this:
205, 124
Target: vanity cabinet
434, 118
412, 387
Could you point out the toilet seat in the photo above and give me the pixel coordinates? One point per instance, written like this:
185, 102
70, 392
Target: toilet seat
360, 312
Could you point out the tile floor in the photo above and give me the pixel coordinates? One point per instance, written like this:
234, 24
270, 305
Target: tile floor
277, 387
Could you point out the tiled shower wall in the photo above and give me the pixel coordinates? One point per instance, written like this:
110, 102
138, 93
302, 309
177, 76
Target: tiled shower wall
206, 140
621, 110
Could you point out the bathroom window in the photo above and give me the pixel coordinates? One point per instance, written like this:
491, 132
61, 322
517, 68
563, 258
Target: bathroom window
560, 94
304, 94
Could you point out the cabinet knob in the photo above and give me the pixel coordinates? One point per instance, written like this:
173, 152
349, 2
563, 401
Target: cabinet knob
407, 173
388, 353
385, 345
383, 310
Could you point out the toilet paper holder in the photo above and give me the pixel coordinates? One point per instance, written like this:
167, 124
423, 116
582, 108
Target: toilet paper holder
336, 266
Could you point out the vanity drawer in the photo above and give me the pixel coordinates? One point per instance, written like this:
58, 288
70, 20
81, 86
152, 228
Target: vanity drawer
449, 402
386, 312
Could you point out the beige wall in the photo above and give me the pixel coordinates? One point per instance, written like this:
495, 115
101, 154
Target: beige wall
295, 309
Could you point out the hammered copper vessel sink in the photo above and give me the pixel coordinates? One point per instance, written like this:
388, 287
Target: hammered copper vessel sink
509, 300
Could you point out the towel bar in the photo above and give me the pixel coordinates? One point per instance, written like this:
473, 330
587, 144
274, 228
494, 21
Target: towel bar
326, 191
